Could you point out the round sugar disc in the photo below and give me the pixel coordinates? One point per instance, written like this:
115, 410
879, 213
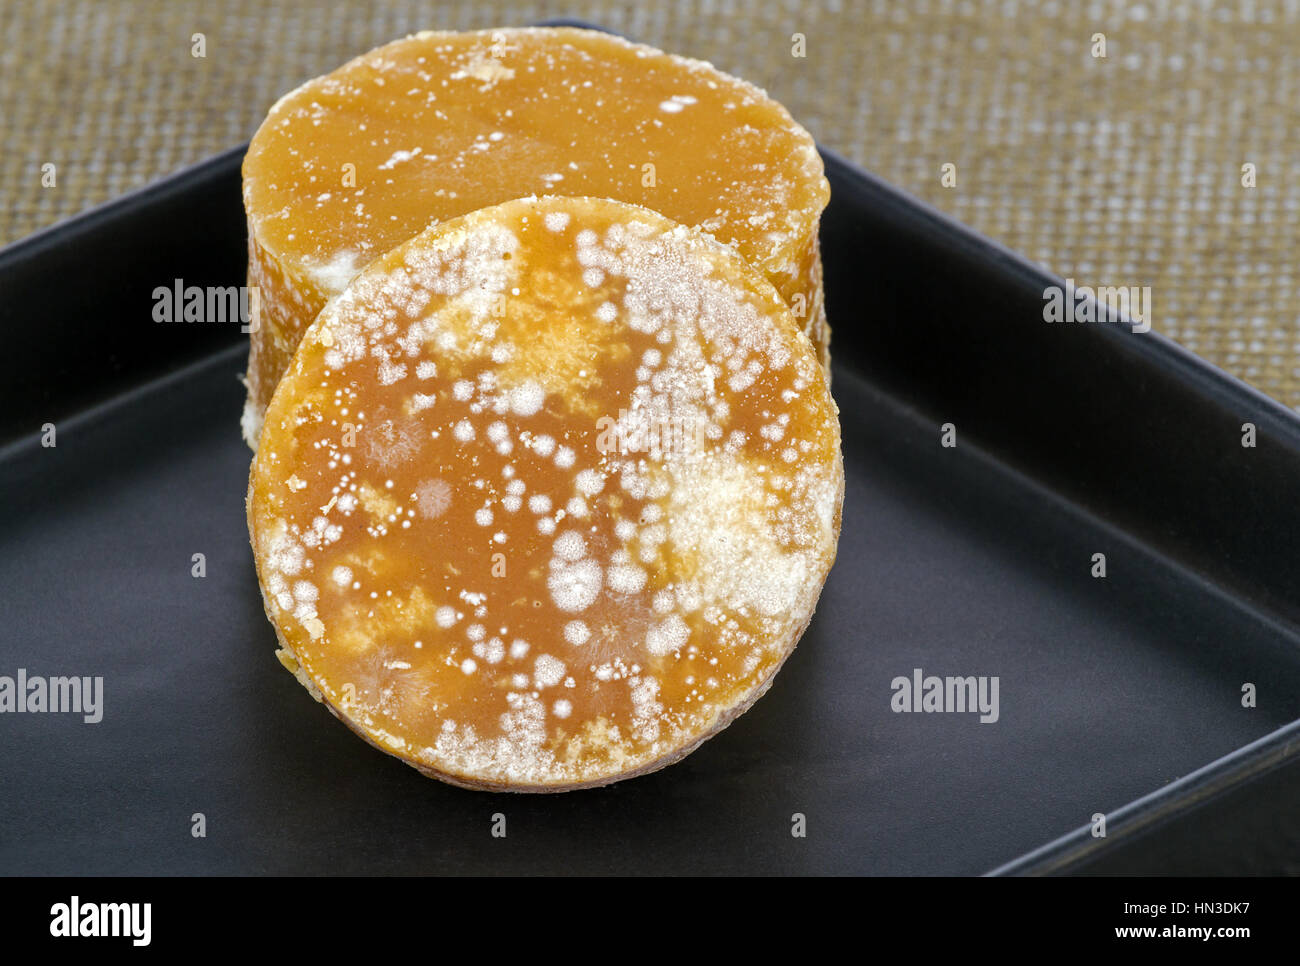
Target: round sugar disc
547, 495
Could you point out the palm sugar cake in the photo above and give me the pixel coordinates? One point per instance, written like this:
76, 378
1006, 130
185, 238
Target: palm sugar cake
547, 495
437, 125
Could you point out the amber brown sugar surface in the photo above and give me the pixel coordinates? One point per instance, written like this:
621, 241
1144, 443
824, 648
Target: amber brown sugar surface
440, 124
547, 495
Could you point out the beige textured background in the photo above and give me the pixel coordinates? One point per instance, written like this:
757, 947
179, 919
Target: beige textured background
1122, 171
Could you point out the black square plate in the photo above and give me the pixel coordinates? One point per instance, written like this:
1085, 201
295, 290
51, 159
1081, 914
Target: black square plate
1119, 695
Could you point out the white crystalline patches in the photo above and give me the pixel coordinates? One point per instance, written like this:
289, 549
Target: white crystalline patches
548, 671
562, 708
667, 636
286, 555
625, 578
564, 457
527, 398
398, 157
445, 617
479, 256
518, 754
633, 483
688, 598
464, 431
570, 545
483, 517
462, 390
425, 369
574, 586
491, 651
539, 503
607, 312
740, 381
715, 509
333, 276
556, 220
304, 596
646, 709
589, 482
675, 103
322, 533
433, 497
577, 633
342, 575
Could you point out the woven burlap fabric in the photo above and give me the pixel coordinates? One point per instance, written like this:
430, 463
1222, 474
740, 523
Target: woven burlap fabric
1122, 170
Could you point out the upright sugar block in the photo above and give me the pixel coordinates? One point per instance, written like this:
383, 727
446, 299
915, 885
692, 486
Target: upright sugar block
437, 125
547, 495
